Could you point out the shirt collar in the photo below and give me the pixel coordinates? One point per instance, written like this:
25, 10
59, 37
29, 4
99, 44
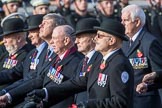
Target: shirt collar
90, 54
109, 54
40, 49
135, 36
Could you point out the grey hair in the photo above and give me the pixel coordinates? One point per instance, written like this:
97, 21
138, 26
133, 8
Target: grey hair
57, 18
69, 31
135, 12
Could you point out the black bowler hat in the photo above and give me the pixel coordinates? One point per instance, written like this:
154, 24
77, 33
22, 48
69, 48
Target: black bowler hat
113, 27
86, 25
12, 25
34, 21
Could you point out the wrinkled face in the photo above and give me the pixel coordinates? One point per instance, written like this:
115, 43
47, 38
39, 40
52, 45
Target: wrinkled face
58, 42
84, 42
11, 43
102, 41
34, 37
42, 9
106, 7
81, 4
12, 7
130, 26
46, 28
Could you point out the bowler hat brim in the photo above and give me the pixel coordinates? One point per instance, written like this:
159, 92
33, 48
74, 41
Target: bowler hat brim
123, 37
31, 28
85, 31
10, 32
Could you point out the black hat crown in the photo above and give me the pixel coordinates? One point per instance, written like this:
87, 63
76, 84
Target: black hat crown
86, 25
34, 21
13, 25
113, 27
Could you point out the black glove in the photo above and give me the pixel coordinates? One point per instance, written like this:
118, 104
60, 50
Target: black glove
37, 95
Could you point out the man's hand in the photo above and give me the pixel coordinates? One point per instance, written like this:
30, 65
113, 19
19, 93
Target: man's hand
141, 88
149, 78
3, 100
37, 95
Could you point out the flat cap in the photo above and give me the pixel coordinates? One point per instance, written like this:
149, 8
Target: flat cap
8, 1
36, 3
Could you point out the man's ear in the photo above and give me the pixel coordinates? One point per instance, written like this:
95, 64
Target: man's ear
66, 41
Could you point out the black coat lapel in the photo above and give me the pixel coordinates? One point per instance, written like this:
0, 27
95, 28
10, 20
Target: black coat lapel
93, 76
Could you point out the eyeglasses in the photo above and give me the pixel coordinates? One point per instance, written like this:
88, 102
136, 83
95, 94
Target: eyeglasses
101, 36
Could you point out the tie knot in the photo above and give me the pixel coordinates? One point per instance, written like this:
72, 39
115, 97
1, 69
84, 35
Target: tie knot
130, 42
86, 59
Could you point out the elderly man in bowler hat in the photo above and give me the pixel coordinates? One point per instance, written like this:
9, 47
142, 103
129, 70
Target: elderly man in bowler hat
14, 40
32, 63
85, 34
110, 81
32, 59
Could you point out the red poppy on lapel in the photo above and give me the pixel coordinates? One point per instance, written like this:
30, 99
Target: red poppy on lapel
102, 65
139, 53
14, 56
59, 68
89, 68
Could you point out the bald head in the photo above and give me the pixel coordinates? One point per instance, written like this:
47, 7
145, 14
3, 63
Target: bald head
64, 30
62, 38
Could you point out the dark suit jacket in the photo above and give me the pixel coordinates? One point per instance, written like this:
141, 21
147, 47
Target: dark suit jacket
28, 82
22, 71
145, 55
83, 95
22, 53
116, 93
69, 69
69, 65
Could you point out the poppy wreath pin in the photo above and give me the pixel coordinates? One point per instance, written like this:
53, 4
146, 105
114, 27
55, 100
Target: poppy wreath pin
139, 53
103, 65
89, 68
59, 68
14, 56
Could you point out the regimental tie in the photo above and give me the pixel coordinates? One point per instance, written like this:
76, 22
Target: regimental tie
48, 55
34, 61
57, 61
84, 65
10, 62
102, 78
